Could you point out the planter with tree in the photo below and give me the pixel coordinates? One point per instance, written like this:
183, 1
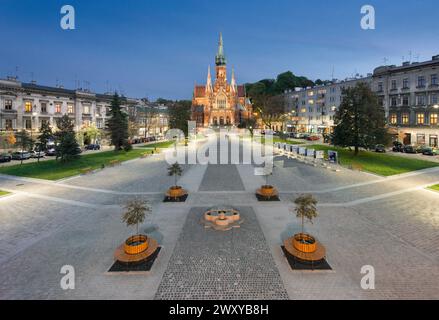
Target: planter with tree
175, 193
302, 246
138, 247
267, 192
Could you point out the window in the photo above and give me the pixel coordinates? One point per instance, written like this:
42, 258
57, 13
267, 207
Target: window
393, 118
8, 104
8, 124
221, 103
380, 87
405, 100
70, 109
433, 118
303, 110
420, 100
87, 123
57, 108
98, 110
406, 83
87, 109
310, 110
393, 84
28, 124
420, 118
420, 139
381, 101
394, 102
405, 118
99, 124
311, 102
28, 106
310, 94
43, 107
434, 81
434, 99
421, 81
44, 122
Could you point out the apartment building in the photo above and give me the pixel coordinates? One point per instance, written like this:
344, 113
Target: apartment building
312, 110
28, 105
410, 95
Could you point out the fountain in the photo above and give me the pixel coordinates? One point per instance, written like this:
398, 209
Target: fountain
222, 218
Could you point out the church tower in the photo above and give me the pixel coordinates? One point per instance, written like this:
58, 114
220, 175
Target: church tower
221, 62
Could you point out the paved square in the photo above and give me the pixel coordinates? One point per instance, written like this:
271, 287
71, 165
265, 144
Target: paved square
221, 265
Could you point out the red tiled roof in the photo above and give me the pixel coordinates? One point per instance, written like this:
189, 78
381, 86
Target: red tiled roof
200, 91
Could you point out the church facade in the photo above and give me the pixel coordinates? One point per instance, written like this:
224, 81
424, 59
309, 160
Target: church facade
220, 103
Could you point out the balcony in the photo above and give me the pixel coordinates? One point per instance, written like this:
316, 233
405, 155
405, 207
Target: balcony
9, 111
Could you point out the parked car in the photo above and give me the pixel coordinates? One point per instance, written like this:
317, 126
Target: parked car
380, 148
429, 151
313, 138
398, 147
93, 147
21, 155
36, 154
51, 152
420, 148
409, 149
5, 157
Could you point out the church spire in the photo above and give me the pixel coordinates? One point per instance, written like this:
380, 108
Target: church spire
209, 81
233, 81
220, 59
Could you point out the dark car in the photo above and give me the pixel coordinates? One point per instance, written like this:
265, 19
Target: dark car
51, 152
380, 148
409, 149
398, 147
5, 157
428, 151
93, 147
421, 148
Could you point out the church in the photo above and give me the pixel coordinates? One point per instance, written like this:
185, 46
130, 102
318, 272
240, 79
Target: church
220, 103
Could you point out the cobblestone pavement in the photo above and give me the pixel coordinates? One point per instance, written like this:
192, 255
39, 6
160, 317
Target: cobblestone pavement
221, 265
389, 223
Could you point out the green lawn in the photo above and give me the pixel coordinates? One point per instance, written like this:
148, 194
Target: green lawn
55, 170
165, 144
435, 188
278, 140
379, 163
3, 193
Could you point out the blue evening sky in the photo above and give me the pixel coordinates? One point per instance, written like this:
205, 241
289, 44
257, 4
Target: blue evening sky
161, 48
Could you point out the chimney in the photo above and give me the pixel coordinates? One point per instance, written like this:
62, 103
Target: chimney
435, 58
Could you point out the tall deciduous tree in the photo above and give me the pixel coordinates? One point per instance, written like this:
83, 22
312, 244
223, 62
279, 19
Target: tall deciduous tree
179, 115
117, 125
67, 147
360, 121
24, 141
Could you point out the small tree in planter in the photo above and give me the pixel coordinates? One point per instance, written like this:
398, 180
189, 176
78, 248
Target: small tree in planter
135, 213
306, 209
176, 171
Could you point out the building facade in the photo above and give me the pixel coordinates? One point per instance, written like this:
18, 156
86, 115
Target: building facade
28, 105
312, 110
410, 95
220, 103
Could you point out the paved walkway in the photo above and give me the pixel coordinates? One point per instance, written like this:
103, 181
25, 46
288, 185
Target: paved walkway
389, 223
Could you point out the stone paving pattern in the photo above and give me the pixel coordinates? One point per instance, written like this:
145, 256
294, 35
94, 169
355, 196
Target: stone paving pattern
389, 223
221, 265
